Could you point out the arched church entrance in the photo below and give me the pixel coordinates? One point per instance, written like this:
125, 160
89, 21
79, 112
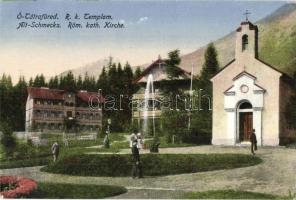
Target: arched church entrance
244, 121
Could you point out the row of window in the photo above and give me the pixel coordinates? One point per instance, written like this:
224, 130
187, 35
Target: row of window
90, 116
54, 103
60, 126
60, 114
48, 114
48, 102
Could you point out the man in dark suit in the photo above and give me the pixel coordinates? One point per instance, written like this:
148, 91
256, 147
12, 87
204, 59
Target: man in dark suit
253, 140
137, 168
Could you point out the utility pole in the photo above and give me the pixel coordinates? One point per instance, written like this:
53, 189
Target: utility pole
190, 93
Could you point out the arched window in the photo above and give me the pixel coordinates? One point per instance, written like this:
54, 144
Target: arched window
245, 42
245, 105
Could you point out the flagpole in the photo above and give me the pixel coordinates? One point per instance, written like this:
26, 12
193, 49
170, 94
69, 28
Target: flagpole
190, 93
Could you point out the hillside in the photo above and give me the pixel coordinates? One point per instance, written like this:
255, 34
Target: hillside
92, 69
277, 45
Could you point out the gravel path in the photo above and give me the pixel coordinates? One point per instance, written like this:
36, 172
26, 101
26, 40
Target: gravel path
276, 175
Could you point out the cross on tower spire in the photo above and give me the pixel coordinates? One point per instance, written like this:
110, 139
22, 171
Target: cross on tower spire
247, 13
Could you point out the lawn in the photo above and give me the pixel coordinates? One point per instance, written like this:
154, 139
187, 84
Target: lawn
48, 158
75, 191
51, 138
25, 163
42, 155
229, 194
153, 164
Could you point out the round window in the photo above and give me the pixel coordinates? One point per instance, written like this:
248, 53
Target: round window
244, 88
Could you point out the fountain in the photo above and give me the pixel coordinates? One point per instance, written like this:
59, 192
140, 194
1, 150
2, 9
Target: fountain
149, 95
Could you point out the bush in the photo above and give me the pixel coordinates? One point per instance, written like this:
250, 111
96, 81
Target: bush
75, 191
25, 163
153, 164
194, 136
174, 124
22, 187
24, 151
8, 142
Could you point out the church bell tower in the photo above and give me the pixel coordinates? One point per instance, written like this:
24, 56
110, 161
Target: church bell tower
246, 40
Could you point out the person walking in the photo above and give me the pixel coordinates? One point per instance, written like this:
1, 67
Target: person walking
253, 140
55, 149
106, 141
137, 167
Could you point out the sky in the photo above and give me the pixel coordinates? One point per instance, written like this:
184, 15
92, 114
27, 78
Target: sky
151, 28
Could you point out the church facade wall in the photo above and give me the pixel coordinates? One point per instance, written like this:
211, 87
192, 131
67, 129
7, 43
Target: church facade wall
268, 79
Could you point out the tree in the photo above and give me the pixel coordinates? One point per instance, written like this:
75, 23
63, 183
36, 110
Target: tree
68, 82
31, 82
137, 73
172, 64
39, 81
173, 122
6, 99
171, 88
102, 82
19, 104
201, 121
86, 82
128, 77
291, 112
211, 64
93, 84
53, 83
8, 142
79, 83
173, 125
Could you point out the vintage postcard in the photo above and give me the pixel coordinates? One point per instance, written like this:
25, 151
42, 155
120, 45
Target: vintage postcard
152, 99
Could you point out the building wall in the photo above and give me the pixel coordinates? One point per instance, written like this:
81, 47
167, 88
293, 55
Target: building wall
267, 78
51, 117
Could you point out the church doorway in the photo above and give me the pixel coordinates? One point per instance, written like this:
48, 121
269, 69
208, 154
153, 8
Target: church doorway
245, 121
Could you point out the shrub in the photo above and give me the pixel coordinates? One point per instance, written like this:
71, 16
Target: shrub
153, 164
25, 163
174, 124
8, 142
75, 191
23, 187
194, 136
24, 151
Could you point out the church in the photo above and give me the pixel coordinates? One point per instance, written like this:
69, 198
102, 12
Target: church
250, 94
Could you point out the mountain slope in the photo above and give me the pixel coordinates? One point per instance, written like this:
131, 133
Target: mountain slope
92, 69
277, 43
277, 46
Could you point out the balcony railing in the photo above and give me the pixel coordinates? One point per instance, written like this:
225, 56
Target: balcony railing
47, 119
48, 106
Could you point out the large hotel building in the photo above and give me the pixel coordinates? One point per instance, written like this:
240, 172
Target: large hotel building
51, 109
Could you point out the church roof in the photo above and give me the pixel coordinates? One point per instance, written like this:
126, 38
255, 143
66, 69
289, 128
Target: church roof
265, 63
221, 69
